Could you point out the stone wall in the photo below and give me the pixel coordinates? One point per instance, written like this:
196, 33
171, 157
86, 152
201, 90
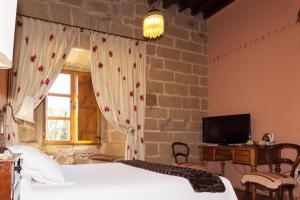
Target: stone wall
177, 89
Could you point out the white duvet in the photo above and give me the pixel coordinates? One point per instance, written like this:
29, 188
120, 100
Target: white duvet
116, 181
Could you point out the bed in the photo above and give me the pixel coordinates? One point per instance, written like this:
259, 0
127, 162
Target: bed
112, 181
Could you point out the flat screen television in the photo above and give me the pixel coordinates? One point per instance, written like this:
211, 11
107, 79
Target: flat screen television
224, 130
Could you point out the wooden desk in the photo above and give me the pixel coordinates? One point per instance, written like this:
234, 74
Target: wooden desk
251, 155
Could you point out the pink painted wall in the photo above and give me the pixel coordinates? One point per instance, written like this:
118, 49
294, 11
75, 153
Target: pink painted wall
254, 66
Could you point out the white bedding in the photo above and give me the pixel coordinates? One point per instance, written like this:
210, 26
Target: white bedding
116, 181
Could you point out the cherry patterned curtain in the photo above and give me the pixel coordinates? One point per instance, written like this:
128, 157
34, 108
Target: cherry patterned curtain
40, 51
119, 80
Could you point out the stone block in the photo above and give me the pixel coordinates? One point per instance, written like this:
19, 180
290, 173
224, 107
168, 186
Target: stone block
168, 53
198, 115
118, 28
156, 112
166, 41
170, 125
151, 49
137, 21
203, 92
203, 81
186, 79
186, 137
204, 27
60, 13
65, 159
151, 136
161, 75
177, 114
97, 6
193, 126
113, 149
178, 66
205, 50
72, 2
157, 63
77, 16
194, 91
189, 46
142, 9
200, 69
151, 149
204, 104
84, 41
151, 100
198, 37
170, 101
33, 8
151, 124
177, 32
180, 137
116, 137
128, 9
191, 102
148, 61
138, 33
194, 58
176, 89
186, 22
165, 149
154, 87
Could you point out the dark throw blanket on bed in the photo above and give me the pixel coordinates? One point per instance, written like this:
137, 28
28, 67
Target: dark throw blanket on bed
201, 181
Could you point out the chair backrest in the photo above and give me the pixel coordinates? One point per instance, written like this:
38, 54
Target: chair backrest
185, 151
278, 148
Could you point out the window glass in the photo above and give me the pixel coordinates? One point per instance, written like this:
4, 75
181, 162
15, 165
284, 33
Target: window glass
58, 106
62, 85
58, 130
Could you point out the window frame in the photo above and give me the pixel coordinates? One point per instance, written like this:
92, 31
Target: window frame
73, 113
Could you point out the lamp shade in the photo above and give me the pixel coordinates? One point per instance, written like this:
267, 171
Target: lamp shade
8, 11
26, 111
153, 26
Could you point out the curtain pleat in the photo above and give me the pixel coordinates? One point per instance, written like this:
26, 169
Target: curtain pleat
119, 80
40, 51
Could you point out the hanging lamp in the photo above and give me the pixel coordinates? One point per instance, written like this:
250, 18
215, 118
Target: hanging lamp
153, 26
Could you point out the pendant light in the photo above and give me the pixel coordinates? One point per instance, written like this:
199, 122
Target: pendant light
153, 26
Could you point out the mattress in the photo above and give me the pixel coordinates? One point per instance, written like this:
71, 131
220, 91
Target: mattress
115, 181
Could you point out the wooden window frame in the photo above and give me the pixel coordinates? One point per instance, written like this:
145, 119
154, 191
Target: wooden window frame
73, 113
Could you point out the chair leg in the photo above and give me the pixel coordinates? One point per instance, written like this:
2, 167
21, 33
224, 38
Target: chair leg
253, 190
291, 197
247, 187
270, 195
280, 194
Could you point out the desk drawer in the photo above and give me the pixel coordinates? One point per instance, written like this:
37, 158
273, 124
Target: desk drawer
208, 154
242, 156
223, 154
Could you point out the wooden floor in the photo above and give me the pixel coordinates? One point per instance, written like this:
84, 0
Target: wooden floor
242, 195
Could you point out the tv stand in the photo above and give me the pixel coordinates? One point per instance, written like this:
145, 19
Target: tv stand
223, 144
251, 155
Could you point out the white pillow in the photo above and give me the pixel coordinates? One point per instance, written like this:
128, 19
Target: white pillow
38, 165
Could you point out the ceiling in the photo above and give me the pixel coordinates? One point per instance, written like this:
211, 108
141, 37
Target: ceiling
207, 7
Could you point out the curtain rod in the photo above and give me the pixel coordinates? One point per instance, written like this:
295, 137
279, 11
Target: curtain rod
79, 27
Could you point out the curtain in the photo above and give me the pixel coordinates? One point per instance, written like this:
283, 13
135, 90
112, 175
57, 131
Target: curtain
119, 80
40, 51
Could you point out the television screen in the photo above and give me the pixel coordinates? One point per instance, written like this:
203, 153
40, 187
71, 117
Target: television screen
229, 129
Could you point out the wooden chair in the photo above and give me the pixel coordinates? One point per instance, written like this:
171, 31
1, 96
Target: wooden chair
274, 181
184, 153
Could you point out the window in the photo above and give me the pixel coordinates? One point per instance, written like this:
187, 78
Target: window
72, 113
